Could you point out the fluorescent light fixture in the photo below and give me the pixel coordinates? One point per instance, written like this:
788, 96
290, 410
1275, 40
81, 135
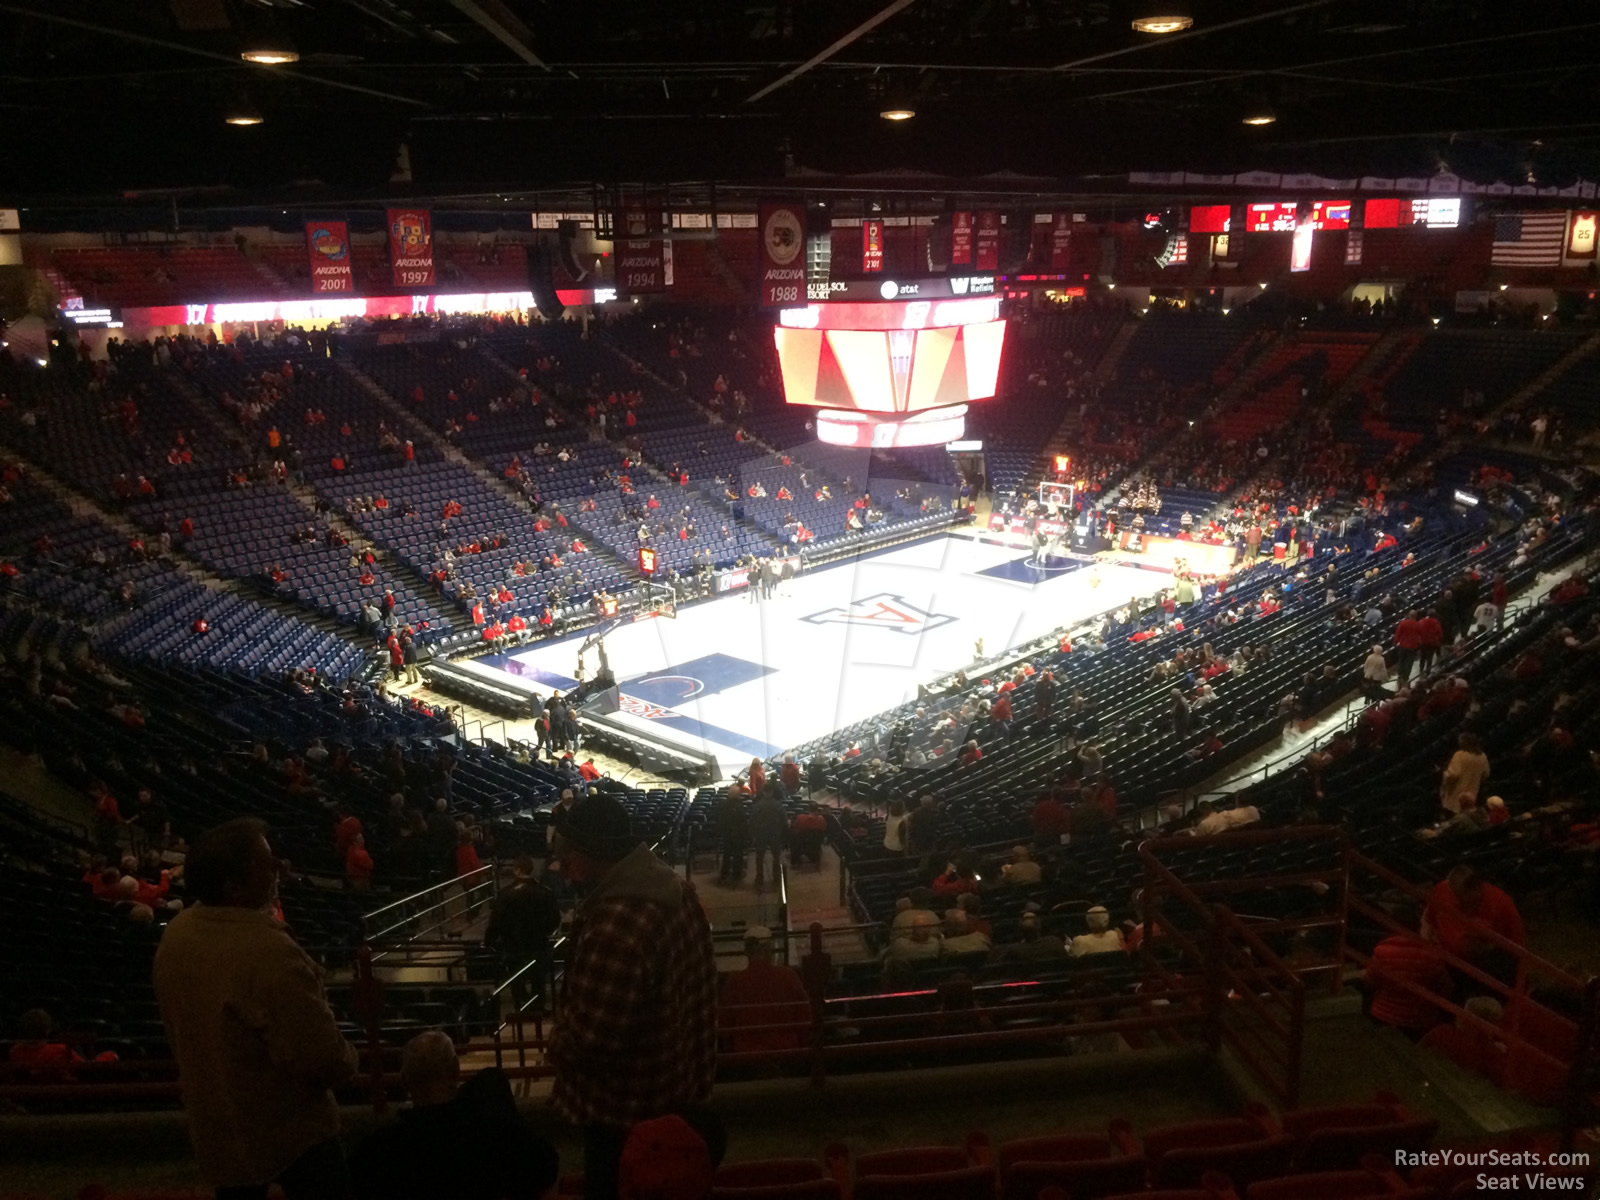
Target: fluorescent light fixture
1259, 114
898, 114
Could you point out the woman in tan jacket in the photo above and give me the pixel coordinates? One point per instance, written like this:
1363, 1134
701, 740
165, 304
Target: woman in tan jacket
1468, 768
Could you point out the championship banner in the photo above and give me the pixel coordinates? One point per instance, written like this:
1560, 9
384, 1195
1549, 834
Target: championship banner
328, 245
411, 246
783, 244
641, 259
872, 246
987, 250
1061, 242
961, 239
1581, 235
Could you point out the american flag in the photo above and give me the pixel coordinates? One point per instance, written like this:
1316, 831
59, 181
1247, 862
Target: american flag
1530, 239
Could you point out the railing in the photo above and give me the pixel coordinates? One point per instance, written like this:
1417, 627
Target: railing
452, 898
1255, 1002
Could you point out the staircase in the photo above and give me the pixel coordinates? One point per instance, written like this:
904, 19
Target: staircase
1543, 380
1106, 370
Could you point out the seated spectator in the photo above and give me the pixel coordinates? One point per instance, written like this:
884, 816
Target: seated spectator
1032, 944
1021, 869
44, 1060
960, 937
1462, 909
358, 865
777, 994
462, 1141
922, 941
908, 910
1101, 938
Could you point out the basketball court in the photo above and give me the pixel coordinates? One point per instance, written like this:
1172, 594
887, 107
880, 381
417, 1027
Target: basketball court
741, 677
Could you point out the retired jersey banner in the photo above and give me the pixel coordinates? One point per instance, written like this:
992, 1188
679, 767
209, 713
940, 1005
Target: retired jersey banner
987, 248
961, 239
872, 246
328, 245
1581, 235
783, 262
411, 246
1061, 242
642, 264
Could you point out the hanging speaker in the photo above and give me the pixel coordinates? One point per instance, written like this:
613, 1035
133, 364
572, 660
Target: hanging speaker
541, 282
567, 250
939, 244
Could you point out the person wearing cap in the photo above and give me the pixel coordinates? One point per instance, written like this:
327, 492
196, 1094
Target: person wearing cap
419, 1155
636, 1033
763, 993
1101, 938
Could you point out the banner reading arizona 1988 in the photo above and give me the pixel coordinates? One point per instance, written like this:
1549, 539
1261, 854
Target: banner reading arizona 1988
783, 254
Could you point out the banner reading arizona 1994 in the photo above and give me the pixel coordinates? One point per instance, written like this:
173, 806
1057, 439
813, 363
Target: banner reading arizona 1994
411, 246
783, 254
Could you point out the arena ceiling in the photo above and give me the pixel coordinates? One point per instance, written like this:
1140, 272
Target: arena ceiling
491, 98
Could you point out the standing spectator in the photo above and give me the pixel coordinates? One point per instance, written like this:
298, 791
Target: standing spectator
766, 825
420, 1156
733, 831
521, 923
790, 774
894, 828
1467, 769
1430, 640
1407, 639
637, 1034
922, 828
1374, 674
108, 820
358, 865
258, 1049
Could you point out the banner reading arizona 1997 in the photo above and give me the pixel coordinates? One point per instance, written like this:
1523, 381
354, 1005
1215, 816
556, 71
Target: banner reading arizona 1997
411, 246
783, 254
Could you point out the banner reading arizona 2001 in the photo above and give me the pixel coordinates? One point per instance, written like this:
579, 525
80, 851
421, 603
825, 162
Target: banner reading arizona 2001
411, 246
328, 246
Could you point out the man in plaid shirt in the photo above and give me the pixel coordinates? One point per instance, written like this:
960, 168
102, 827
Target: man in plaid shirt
636, 1029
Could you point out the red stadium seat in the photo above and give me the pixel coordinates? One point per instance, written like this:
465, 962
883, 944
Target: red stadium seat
1213, 1186
1244, 1148
1338, 1137
810, 1189
1336, 1185
768, 1172
967, 1183
1084, 1165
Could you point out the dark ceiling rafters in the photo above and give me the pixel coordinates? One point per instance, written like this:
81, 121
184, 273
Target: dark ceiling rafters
878, 18
502, 25
183, 48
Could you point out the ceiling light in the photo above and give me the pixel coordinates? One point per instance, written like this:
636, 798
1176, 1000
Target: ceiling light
269, 50
1162, 16
243, 113
1259, 114
898, 114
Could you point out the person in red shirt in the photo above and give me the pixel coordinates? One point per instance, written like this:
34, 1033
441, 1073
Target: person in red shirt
1430, 640
1498, 593
516, 624
763, 994
1462, 910
358, 865
790, 774
958, 877
397, 657
971, 754
1050, 820
186, 529
467, 860
345, 831
758, 776
1407, 640
1000, 710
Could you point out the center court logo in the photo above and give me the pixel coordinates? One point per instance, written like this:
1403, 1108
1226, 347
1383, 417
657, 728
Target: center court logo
882, 611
